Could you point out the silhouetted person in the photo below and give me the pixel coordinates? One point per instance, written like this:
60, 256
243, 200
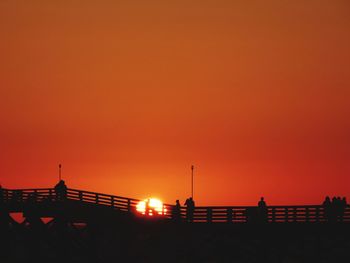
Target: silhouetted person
262, 208
61, 190
177, 211
150, 210
334, 200
327, 208
333, 210
190, 209
147, 208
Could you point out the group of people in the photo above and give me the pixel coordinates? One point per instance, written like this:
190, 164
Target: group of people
334, 209
190, 206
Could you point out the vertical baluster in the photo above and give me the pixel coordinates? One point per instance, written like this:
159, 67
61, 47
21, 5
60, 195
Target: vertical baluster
318, 214
273, 214
112, 201
81, 196
96, 198
20, 195
129, 205
229, 215
295, 214
307, 214
209, 214
286, 215
50, 194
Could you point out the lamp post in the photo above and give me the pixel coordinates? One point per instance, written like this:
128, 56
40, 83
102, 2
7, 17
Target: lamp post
192, 168
59, 172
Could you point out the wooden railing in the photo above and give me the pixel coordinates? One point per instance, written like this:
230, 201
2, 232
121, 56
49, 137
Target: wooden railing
212, 214
86, 197
274, 214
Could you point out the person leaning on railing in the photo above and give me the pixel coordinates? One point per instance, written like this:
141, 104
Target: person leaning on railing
262, 210
176, 212
61, 191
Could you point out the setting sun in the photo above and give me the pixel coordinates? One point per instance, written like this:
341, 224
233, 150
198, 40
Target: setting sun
151, 207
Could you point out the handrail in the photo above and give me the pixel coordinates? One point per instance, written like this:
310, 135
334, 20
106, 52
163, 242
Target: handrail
209, 214
102, 194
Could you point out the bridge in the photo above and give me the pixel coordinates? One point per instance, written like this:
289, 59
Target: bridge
94, 227
80, 206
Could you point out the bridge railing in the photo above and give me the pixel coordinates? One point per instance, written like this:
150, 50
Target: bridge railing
215, 214
23, 195
113, 201
49, 195
274, 214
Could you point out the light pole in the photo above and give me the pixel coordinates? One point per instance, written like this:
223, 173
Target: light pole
59, 172
192, 168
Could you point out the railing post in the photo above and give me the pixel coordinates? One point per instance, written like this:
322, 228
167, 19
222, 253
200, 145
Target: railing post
112, 201
129, 205
209, 214
50, 194
229, 215
307, 214
96, 198
81, 196
286, 215
273, 214
318, 214
6, 195
20, 195
295, 214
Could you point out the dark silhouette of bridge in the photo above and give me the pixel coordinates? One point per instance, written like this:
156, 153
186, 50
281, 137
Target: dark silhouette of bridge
80, 206
84, 226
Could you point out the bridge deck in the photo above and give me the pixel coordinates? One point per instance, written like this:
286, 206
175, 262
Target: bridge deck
83, 202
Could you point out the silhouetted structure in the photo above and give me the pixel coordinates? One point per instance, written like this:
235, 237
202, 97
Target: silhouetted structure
95, 227
82, 204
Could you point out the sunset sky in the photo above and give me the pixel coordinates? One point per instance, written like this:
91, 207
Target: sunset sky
127, 95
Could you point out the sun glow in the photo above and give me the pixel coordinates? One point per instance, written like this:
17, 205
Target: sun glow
151, 207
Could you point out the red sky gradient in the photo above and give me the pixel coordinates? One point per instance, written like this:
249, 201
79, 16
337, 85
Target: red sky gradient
128, 94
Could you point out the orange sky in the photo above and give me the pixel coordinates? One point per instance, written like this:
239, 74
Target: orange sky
128, 94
